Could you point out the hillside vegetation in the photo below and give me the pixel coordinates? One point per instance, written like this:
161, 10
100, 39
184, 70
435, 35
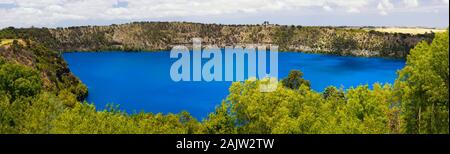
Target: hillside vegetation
151, 36
52, 70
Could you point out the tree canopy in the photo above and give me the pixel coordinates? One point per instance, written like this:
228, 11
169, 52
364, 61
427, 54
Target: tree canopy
423, 87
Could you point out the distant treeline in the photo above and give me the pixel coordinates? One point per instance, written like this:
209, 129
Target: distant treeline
151, 36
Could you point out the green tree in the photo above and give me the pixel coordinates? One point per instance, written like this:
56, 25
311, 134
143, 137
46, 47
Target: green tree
18, 81
423, 87
295, 80
332, 91
15, 46
221, 121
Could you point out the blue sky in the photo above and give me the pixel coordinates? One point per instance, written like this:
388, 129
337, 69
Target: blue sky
63, 13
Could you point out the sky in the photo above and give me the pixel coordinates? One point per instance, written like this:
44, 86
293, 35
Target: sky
64, 13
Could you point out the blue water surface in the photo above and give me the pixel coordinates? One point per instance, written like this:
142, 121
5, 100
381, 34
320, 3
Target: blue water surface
140, 81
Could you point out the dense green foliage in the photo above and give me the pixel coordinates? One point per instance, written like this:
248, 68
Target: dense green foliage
295, 80
416, 103
26, 108
304, 111
423, 87
18, 81
52, 69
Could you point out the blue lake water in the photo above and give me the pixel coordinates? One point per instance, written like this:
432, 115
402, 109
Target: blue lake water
140, 81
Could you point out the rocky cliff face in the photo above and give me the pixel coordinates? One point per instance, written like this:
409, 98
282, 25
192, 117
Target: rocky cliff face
151, 36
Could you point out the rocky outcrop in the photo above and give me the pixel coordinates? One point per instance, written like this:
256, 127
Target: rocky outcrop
151, 36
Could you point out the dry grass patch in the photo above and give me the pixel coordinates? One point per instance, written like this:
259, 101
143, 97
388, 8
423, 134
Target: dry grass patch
408, 30
10, 41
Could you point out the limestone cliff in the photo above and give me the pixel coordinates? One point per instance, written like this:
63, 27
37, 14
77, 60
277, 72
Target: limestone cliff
152, 36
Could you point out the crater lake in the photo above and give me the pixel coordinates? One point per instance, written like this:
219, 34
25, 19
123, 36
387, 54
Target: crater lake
140, 81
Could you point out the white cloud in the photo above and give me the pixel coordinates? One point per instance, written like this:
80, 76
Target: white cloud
25, 13
411, 3
6, 1
384, 6
32, 12
353, 10
327, 8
